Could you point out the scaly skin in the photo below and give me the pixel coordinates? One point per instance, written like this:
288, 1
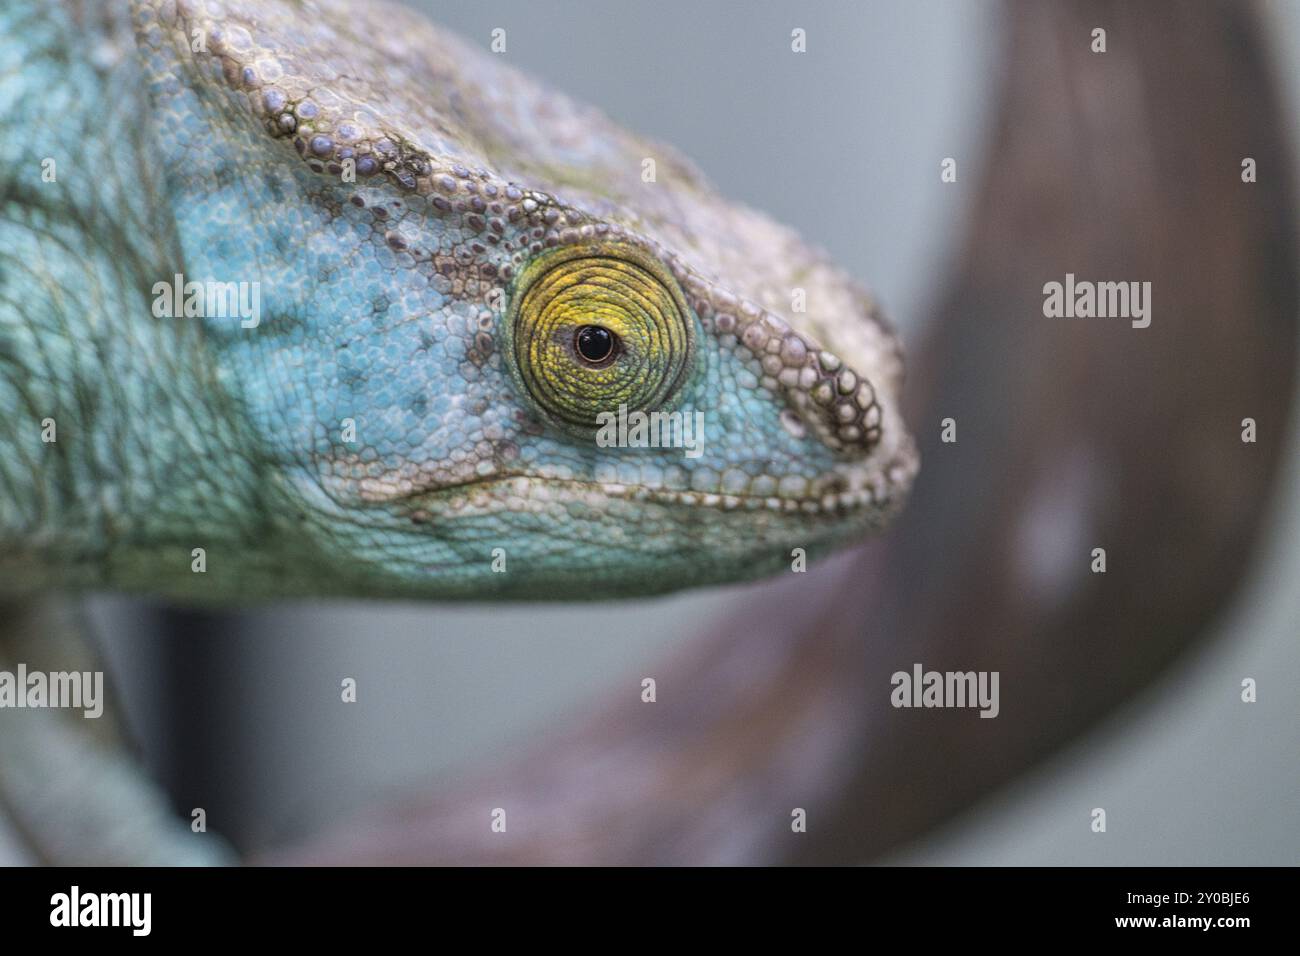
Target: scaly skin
389, 306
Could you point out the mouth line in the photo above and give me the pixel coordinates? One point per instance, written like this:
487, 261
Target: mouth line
457, 496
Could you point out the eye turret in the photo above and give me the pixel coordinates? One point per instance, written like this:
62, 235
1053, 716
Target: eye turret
595, 326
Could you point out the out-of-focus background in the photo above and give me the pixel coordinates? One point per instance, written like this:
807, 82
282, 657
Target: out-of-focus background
240, 713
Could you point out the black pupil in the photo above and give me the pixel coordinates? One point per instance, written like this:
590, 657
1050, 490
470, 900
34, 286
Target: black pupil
595, 343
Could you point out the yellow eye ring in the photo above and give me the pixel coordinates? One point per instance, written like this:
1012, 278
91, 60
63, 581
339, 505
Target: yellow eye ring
595, 326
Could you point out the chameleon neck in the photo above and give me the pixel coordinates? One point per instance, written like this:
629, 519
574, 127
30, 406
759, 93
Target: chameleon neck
116, 439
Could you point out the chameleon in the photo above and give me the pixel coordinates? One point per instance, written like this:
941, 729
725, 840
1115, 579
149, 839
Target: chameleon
458, 271
315, 299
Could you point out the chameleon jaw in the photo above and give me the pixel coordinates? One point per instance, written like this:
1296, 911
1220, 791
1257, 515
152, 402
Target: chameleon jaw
857, 489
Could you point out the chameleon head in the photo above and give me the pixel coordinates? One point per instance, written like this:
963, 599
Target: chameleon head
644, 428
519, 352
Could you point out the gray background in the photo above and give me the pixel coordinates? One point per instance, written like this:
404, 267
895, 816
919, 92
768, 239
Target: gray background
843, 143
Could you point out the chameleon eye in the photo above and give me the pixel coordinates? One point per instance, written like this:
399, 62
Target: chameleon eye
592, 327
